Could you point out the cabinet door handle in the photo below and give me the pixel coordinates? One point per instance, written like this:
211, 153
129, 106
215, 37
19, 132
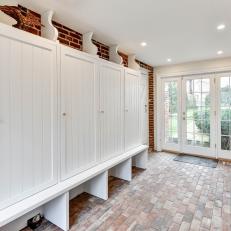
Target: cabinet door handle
146, 108
64, 114
102, 111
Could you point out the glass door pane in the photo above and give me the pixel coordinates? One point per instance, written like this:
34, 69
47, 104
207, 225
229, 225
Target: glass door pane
224, 117
196, 117
171, 108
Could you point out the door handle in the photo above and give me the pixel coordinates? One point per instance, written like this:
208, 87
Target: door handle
146, 108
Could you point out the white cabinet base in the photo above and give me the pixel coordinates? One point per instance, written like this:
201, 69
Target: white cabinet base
123, 170
98, 186
57, 211
140, 160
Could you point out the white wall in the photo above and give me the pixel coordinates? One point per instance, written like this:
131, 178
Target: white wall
214, 65
200, 67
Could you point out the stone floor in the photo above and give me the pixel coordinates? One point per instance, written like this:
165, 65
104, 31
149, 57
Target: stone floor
169, 195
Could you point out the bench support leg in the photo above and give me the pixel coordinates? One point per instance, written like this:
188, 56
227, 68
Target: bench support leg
123, 170
57, 211
140, 160
98, 186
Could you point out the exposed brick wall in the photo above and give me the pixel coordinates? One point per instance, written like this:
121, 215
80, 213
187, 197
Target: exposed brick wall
103, 50
74, 39
34, 30
68, 36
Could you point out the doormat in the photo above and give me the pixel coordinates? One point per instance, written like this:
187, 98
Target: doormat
196, 160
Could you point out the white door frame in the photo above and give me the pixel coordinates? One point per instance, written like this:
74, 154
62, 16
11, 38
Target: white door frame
223, 154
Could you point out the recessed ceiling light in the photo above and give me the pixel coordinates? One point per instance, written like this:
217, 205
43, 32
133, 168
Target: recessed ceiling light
221, 27
169, 60
220, 52
143, 44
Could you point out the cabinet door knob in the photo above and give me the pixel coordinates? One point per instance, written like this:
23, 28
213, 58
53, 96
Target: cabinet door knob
102, 111
64, 114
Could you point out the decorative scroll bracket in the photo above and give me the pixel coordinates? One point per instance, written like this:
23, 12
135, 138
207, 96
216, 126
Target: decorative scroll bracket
4, 18
132, 63
48, 30
88, 45
114, 56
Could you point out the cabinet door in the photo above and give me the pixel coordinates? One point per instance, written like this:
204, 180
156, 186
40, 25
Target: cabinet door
144, 107
28, 116
132, 109
111, 110
78, 97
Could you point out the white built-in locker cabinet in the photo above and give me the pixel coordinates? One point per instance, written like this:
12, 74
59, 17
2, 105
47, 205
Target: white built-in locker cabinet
144, 106
28, 115
63, 121
111, 110
132, 109
79, 104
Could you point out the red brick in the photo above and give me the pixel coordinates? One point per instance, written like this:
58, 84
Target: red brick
75, 45
56, 24
64, 41
61, 30
76, 35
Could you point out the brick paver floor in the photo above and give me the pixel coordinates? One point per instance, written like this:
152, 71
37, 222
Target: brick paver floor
169, 195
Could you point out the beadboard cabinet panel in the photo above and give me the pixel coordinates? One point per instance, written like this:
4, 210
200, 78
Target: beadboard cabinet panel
111, 110
132, 109
144, 107
28, 117
61, 113
79, 96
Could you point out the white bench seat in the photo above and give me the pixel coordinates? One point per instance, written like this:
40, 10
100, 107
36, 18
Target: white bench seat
19, 209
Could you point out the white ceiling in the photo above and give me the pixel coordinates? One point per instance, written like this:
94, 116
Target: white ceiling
183, 30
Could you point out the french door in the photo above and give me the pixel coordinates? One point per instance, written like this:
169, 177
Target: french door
197, 115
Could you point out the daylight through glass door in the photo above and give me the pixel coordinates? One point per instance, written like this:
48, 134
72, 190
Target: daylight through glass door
197, 114
171, 107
